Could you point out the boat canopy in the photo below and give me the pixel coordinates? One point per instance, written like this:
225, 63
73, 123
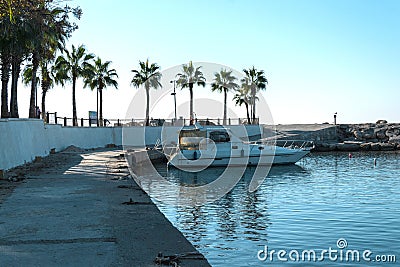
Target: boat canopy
189, 139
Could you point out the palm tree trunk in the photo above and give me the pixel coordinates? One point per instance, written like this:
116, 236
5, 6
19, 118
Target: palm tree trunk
147, 106
44, 92
16, 68
74, 116
32, 102
5, 77
251, 112
254, 112
225, 97
191, 104
253, 106
45, 84
101, 122
247, 112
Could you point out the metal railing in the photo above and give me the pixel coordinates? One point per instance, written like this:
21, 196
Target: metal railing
290, 144
53, 118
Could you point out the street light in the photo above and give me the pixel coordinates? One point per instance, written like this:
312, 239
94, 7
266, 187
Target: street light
97, 107
334, 118
174, 94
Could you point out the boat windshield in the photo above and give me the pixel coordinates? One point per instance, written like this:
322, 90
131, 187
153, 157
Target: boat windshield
190, 139
220, 136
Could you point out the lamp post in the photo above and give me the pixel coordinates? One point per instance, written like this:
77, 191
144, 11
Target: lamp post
97, 107
174, 94
334, 118
36, 103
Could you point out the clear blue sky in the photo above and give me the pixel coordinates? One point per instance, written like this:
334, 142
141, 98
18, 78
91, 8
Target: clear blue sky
320, 57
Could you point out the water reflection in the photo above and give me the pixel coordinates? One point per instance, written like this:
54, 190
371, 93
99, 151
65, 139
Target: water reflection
306, 206
193, 222
239, 213
181, 177
227, 224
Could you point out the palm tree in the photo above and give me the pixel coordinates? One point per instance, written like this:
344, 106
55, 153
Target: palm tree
242, 97
46, 40
224, 81
5, 77
256, 81
99, 77
48, 77
71, 66
149, 76
25, 26
190, 76
14, 38
5, 58
19, 51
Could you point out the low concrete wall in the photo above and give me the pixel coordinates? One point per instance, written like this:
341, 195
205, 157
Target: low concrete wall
21, 140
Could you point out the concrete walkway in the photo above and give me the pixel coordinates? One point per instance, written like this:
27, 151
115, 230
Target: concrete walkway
70, 212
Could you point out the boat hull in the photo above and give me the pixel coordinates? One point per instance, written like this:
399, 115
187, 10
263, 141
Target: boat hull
199, 160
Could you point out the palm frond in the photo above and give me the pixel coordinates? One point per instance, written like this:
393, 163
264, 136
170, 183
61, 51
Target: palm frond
190, 76
147, 75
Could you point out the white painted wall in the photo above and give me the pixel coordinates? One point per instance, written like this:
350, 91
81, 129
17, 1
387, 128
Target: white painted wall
21, 140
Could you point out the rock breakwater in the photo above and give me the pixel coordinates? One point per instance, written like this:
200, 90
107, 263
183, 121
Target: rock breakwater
379, 136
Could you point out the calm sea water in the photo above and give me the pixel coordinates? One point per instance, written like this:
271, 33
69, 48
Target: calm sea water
307, 206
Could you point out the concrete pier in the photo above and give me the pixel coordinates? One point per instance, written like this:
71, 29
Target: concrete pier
80, 208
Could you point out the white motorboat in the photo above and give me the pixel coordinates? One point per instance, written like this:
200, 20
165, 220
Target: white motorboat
218, 146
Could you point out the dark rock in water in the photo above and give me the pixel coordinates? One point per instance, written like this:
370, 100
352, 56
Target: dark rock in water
387, 146
375, 146
381, 122
324, 147
348, 147
365, 146
333, 147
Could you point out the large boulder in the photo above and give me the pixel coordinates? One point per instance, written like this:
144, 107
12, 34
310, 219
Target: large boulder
394, 140
375, 146
348, 131
358, 134
348, 147
365, 146
380, 133
387, 146
381, 122
368, 133
324, 147
391, 132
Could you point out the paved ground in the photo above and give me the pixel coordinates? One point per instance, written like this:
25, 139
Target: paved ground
312, 132
298, 127
69, 211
